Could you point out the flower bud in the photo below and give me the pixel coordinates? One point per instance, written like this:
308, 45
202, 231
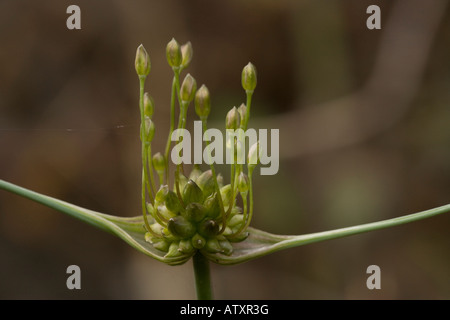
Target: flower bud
185, 246
240, 237
242, 110
173, 250
161, 244
188, 88
195, 212
161, 195
192, 193
149, 208
142, 61
164, 212
212, 245
187, 53
181, 183
168, 235
156, 228
149, 129
206, 182
159, 163
173, 53
148, 237
249, 77
202, 102
232, 119
198, 241
220, 180
236, 220
180, 227
212, 206
243, 183
227, 232
172, 202
254, 154
208, 228
148, 105
226, 192
195, 173
226, 246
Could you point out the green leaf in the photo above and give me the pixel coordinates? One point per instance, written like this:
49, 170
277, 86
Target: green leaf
261, 243
258, 244
129, 229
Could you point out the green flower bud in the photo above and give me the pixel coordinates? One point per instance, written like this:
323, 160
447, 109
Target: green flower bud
180, 227
173, 53
158, 243
202, 102
243, 183
254, 154
148, 237
160, 196
181, 184
188, 88
172, 202
226, 192
226, 246
157, 228
227, 232
168, 235
208, 228
240, 237
142, 62
192, 193
187, 52
195, 212
165, 213
195, 173
249, 77
212, 206
236, 220
149, 208
173, 250
198, 241
220, 180
148, 105
236, 210
161, 244
242, 110
159, 163
213, 246
232, 119
149, 129
186, 246
206, 182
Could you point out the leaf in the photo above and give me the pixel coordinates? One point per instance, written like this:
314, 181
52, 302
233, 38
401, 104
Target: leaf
261, 243
258, 244
129, 229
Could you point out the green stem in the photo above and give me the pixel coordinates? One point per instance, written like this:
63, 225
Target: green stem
213, 171
144, 207
202, 277
175, 87
150, 169
248, 105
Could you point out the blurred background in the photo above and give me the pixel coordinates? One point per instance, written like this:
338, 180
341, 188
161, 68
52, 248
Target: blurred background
364, 136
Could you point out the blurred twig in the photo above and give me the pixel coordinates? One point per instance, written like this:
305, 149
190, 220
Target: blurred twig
387, 94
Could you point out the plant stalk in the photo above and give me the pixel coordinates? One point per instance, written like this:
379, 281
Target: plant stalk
202, 277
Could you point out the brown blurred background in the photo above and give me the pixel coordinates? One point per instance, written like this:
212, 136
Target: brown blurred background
364, 136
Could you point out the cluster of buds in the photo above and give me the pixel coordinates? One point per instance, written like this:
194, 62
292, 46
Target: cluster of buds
199, 211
